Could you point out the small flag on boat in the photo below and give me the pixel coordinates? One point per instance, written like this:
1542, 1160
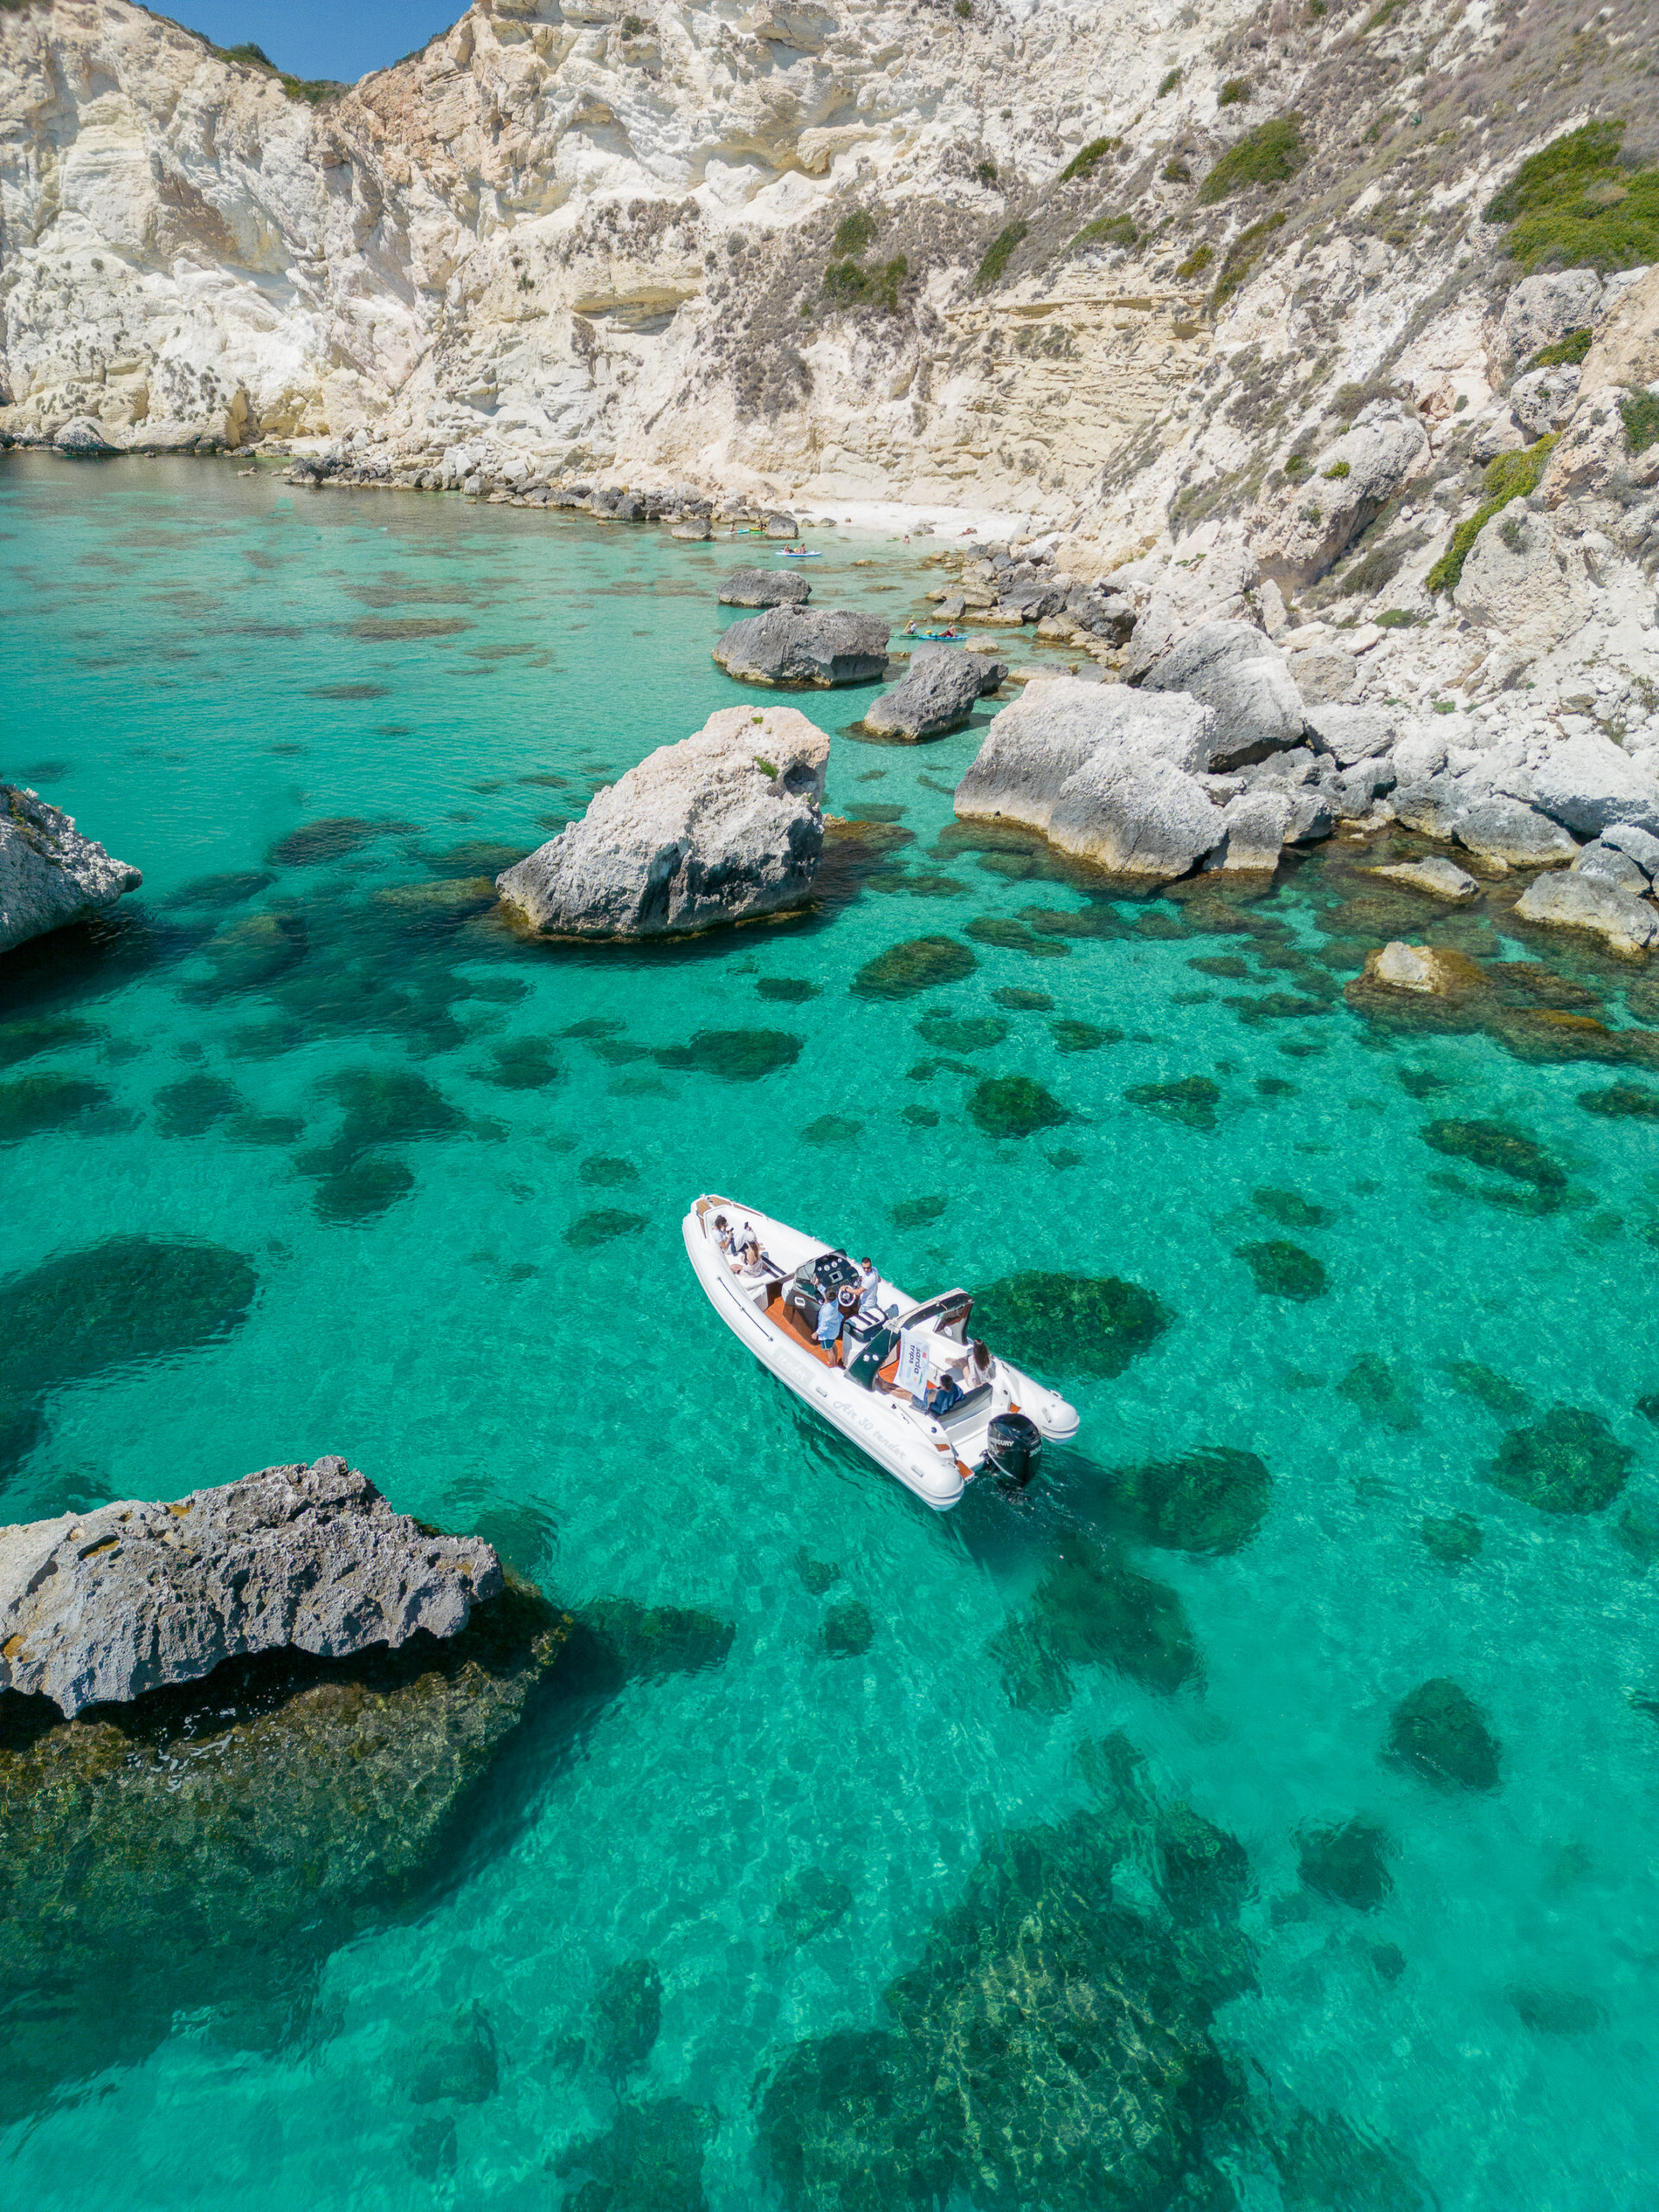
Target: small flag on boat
912, 1360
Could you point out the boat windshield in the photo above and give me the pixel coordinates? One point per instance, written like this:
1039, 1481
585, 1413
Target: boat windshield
946, 1315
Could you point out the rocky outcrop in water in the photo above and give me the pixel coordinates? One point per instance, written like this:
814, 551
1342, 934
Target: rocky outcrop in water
1108, 774
49, 874
97, 1608
795, 645
764, 588
720, 827
939, 695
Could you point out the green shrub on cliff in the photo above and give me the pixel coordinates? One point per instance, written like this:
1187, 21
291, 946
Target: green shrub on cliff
1268, 154
1511, 476
1573, 207
998, 252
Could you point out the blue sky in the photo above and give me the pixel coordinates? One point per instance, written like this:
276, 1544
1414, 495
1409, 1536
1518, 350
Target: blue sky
320, 38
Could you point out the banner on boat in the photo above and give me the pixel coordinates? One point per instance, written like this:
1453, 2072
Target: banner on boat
912, 1361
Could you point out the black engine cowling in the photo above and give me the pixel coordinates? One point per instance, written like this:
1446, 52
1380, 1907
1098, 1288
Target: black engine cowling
1014, 1448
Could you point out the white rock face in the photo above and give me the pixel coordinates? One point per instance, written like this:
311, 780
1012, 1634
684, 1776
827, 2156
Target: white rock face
1239, 674
1571, 901
49, 874
1106, 774
1310, 523
1524, 581
1541, 311
1405, 968
99, 1608
1590, 784
721, 827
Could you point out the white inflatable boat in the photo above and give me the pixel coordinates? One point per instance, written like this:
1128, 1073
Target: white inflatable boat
905, 1381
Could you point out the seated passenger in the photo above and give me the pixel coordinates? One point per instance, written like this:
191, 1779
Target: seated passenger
726, 1240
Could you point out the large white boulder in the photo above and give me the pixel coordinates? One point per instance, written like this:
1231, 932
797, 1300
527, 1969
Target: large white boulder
803, 645
939, 694
1570, 901
722, 826
49, 874
1305, 526
1108, 774
1590, 784
1242, 676
1524, 578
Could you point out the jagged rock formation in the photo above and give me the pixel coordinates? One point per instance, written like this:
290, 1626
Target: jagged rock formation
721, 827
938, 693
96, 1608
764, 587
49, 874
805, 645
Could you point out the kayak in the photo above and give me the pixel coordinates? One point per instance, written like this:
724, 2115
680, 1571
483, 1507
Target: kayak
798, 553
896, 1391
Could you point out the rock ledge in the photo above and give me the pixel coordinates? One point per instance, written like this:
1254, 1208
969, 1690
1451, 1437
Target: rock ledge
96, 1608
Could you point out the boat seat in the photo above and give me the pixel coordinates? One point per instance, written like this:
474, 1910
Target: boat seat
965, 1409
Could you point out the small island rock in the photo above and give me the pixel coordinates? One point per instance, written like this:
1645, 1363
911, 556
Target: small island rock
939, 695
49, 874
764, 588
790, 644
722, 826
96, 1608
1570, 901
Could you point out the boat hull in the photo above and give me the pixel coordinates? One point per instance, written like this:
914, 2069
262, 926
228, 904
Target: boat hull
912, 1447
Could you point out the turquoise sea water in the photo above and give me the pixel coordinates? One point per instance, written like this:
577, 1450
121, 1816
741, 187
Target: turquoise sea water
199, 667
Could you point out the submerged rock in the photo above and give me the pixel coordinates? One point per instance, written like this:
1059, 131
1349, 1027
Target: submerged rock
626, 2018
49, 874
1014, 1106
97, 1608
1349, 1864
108, 1306
1213, 1499
198, 1850
722, 826
1070, 1325
1439, 1730
1498, 1148
1051, 2047
1569, 1462
764, 588
1451, 1542
923, 963
810, 1904
649, 2158
798, 645
1192, 1101
1284, 1270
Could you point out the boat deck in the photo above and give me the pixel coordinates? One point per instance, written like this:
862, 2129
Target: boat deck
779, 1314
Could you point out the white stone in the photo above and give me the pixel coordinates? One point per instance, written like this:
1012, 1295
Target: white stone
1572, 901
723, 826
1440, 877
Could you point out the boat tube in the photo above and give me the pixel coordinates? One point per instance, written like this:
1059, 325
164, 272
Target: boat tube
896, 1391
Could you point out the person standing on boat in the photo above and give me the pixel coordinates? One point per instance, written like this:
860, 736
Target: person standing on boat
833, 1315
869, 1291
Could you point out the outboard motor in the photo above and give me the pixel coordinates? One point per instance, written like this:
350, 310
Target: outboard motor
1014, 1448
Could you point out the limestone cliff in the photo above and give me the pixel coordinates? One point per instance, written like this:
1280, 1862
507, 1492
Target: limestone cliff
1235, 295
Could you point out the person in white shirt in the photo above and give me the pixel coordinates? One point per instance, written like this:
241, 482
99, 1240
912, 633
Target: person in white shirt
869, 1291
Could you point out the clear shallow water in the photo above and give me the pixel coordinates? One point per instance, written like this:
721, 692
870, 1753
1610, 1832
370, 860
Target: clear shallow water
178, 649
